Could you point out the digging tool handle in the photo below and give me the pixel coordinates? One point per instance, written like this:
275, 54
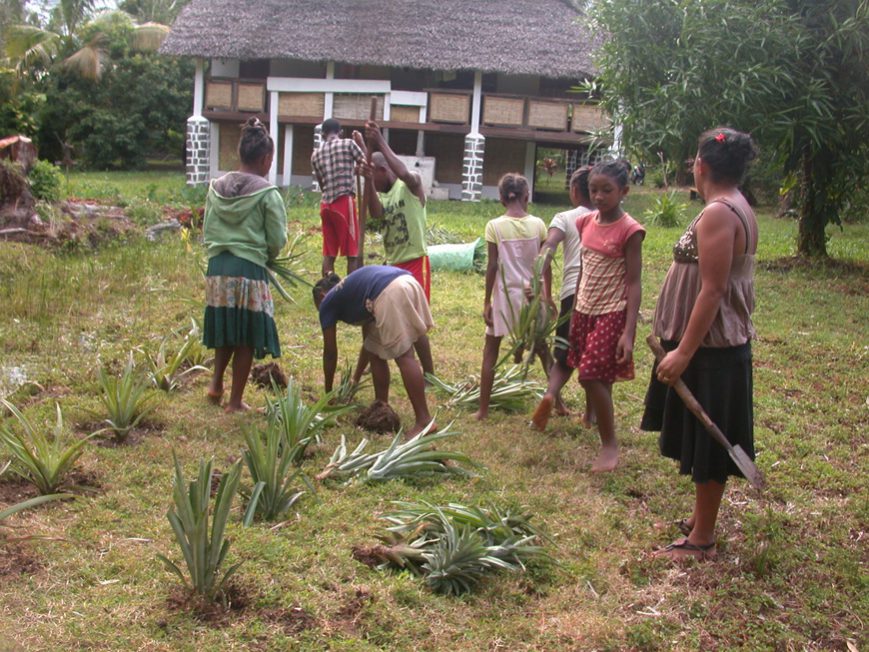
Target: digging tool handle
366, 194
689, 400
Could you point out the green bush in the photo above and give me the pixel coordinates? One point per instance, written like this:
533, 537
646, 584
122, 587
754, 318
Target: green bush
144, 213
665, 211
46, 181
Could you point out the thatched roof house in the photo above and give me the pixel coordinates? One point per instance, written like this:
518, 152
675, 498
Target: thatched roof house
497, 72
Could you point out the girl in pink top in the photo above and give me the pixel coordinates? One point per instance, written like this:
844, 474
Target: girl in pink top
608, 292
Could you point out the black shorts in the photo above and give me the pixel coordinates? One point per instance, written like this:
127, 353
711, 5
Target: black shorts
562, 344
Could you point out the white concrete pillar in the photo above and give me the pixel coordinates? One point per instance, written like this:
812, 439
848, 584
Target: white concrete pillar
477, 103
530, 165
420, 135
199, 88
329, 96
475, 147
273, 132
288, 155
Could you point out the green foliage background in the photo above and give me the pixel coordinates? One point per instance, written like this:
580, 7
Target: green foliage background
794, 73
133, 110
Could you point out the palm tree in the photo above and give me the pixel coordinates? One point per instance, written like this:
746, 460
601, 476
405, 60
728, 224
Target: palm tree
30, 48
153, 11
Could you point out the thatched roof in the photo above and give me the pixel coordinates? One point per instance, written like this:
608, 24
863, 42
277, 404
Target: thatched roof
539, 37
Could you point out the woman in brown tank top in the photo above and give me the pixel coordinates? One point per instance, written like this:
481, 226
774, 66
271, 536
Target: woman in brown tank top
703, 318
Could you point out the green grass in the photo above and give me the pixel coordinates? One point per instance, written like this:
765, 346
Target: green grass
792, 573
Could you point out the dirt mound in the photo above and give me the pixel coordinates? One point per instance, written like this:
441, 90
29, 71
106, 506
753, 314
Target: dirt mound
379, 417
73, 221
265, 374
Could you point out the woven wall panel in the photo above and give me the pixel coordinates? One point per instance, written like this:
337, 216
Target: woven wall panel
218, 95
251, 98
547, 115
589, 117
503, 111
404, 113
448, 151
449, 107
301, 105
348, 106
303, 147
230, 132
502, 156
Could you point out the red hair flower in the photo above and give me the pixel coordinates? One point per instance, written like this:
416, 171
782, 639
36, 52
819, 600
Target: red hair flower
720, 138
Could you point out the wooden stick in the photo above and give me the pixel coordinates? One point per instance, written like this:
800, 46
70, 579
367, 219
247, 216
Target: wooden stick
737, 454
363, 213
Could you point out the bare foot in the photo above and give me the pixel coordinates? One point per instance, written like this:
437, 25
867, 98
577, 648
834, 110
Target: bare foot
418, 428
607, 460
241, 407
214, 394
682, 549
481, 415
588, 421
560, 408
541, 415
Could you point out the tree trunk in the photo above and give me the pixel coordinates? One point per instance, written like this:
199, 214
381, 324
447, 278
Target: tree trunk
812, 237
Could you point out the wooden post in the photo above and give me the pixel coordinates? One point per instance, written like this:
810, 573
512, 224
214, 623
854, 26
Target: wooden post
363, 213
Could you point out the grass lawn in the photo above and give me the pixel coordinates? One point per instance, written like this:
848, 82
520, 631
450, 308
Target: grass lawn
792, 569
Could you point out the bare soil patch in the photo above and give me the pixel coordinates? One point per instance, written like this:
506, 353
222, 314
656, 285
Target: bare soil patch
264, 375
14, 490
293, 620
16, 559
379, 417
234, 599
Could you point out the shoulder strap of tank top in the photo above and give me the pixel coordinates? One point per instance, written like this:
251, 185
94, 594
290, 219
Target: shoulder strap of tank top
749, 237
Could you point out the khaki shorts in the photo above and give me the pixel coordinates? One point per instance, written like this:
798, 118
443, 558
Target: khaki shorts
401, 317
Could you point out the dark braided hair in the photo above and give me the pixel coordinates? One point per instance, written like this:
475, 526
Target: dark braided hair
255, 142
579, 180
616, 169
727, 153
512, 186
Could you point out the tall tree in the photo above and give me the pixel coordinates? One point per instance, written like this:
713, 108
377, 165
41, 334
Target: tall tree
793, 72
153, 11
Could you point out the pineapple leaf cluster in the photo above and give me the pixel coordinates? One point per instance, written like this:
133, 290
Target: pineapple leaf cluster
414, 458
511, 390
454, 547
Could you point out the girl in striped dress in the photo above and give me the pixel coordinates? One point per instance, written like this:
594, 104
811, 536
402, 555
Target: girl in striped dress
604, 322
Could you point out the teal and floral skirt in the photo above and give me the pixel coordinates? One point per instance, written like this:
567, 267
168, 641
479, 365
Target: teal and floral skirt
239, 310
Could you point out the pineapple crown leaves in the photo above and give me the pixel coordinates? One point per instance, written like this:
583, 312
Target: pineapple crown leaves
414, 458
455, 546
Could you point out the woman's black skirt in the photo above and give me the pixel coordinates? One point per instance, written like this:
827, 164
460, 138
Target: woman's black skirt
721, 380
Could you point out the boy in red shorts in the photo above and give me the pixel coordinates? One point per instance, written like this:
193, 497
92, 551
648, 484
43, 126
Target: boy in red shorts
398, 210
334, 166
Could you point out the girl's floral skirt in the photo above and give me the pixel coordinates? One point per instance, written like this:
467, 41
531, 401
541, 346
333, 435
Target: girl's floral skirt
239, 310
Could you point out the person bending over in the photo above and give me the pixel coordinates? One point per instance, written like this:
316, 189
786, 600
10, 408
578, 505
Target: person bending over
391, 308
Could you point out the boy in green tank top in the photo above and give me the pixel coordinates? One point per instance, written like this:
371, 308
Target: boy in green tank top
397, 209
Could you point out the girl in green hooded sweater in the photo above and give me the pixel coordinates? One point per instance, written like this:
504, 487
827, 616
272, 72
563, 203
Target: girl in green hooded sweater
245, 227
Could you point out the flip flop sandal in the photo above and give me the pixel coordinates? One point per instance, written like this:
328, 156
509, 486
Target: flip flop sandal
699, 552
684, 528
